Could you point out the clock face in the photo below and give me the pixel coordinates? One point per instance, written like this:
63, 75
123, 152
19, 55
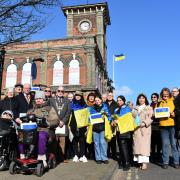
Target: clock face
85, 26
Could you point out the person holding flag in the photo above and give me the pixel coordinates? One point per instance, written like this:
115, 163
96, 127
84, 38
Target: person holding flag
78, 125
125, 124
99, 120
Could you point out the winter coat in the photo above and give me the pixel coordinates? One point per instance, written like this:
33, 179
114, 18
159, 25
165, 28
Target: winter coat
142, 134
8, 104
63, 110
48, 112
169, 121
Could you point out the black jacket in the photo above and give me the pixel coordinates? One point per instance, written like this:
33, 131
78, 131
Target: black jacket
112, 106
177, 112
8, 104
22, 105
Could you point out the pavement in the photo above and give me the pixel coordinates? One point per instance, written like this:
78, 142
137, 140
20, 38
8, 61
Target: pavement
70, 171
93, 171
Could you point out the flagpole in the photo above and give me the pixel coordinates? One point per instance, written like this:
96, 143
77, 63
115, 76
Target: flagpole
113, 71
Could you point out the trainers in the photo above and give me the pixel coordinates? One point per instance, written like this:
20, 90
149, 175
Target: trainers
22, 156
75, 159
165, 166
83, 159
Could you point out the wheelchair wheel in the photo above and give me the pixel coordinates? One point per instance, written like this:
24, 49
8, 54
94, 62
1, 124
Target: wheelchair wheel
39, 169
3, 163
12, 168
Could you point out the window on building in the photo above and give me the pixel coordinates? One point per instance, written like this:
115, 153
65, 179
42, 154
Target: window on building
26, 73
74, 72
58, 73
11, 75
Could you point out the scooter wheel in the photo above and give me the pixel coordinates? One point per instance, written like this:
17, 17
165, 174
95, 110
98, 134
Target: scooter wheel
12, 168
39, 169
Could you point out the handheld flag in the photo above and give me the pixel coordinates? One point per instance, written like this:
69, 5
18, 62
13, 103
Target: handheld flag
33, 71
119, 57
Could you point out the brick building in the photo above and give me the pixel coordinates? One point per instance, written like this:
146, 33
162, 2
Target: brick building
78, 62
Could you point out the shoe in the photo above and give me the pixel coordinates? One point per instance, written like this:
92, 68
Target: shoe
75, 159
43, 158
176, 166
106, 162
22, 156
83, 159
126, 167
144, 166
98, 162
165, 166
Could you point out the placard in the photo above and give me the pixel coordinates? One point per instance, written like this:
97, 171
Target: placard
162, 112
60, 130
96, 118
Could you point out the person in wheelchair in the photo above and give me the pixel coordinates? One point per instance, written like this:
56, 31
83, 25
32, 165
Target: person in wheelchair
46, 127
7, 139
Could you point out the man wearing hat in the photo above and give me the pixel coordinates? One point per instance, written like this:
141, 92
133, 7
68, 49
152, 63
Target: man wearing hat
63, 109
18, 88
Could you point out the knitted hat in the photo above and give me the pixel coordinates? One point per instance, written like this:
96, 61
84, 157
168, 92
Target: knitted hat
39, 95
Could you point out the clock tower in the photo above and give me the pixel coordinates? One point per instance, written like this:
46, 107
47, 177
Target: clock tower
87, 20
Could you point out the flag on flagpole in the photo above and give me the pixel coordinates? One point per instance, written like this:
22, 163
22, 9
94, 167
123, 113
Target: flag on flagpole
119, 57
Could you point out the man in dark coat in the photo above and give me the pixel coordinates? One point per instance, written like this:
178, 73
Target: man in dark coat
176, 96
63, 108
112, 105
23, 103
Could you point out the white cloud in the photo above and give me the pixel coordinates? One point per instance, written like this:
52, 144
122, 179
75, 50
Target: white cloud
123, 90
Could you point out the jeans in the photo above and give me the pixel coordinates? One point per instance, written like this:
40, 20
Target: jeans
167, 136
100, 146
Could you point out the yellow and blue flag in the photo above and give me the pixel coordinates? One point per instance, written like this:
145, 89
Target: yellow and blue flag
119, 57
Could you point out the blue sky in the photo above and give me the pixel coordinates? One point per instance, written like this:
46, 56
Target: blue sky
146, 32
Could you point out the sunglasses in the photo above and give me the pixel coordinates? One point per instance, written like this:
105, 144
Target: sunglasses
153, 97
47, 91
60, 91
10, 115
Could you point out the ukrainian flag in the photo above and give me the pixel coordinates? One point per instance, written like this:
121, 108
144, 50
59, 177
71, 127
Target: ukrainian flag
119, 57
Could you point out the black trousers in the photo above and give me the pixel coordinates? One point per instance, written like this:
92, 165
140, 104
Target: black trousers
81, 141
123, 143
111, 152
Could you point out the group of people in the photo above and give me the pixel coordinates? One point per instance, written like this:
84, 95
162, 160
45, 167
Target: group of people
89, 127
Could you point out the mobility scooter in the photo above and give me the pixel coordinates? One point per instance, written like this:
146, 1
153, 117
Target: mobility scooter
28, 136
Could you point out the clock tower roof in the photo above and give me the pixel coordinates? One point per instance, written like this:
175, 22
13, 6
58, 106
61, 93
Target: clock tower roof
88, 8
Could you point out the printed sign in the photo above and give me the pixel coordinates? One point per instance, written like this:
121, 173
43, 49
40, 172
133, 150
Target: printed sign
162, 112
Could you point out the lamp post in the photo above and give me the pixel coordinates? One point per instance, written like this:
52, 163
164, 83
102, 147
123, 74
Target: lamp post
2, 57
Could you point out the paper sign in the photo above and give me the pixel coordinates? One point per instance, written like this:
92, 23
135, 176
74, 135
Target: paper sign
96, 118
60, 130
161, 112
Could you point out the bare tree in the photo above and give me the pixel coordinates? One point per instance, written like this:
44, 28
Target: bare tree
19, 19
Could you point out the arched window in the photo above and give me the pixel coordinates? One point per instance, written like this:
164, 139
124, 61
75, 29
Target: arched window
26, 73
11, 75
74, 72
58, 73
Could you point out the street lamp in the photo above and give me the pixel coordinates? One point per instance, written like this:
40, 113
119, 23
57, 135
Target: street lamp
2, 57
